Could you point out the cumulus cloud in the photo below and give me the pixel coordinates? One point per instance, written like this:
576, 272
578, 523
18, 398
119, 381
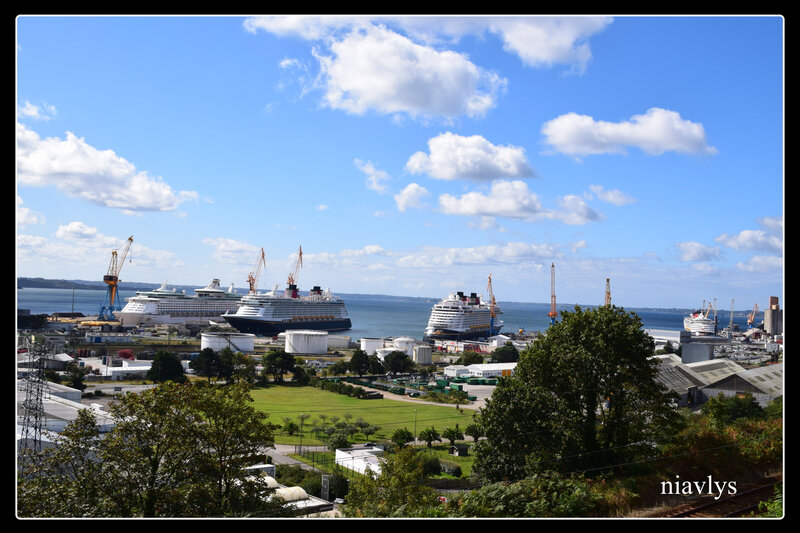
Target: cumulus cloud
654, 132
376, 69
43, 111
510, 252
98, 176
233, 251
410, 197
376, 179
454, 156
25, 216
762, 264
768, 240
614, 197
695, 251
506, 198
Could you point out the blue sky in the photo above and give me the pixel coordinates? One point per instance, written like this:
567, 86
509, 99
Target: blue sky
408, 156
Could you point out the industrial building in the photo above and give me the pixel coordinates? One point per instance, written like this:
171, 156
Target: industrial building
487, 370
360, 458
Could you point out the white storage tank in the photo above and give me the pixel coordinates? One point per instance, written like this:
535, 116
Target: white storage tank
405, 344
383, 352
237, 342
423, 354
371, 344
338, 341
306, 341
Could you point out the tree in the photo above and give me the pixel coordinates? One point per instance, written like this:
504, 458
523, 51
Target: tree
375, 365
75, 375
174, 450
278, 363
506, 354
429, 435
397, 362
452, 434
722, 410
583, 394
397, 490
359, 362
166, 366
206, 363
475, 431
401, 437
469, 358
339, 368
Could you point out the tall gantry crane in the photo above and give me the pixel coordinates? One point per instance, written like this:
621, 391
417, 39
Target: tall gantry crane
291, 282
252, 277
752, 316
491, 306
112, 280
553, 313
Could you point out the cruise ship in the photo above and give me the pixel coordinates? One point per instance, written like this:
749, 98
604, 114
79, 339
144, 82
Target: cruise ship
698, 323
270, 313
168, 306
464, 317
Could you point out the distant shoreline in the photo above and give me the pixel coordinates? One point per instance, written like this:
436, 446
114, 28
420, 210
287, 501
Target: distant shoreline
44, 283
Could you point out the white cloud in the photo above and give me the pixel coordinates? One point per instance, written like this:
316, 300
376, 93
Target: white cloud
545, 41
37, 112
507, 199
510, 252
25, 216
410, 197
98, 176
762, 264
767, 240
473, 158
233, 251
376, 69
695, 251
321, 207
376, 179
614, 197
575, 211
655, 132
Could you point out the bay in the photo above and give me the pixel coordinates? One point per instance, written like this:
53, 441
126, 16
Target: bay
372, 315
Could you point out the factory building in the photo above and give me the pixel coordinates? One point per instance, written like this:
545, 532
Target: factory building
773, 318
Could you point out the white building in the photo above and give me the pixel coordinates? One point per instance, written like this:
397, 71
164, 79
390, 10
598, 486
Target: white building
359, 459
491, 370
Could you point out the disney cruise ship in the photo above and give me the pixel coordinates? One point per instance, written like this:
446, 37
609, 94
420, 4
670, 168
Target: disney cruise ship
168, 306
464, 317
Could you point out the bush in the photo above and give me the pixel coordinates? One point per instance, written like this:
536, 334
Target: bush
450, 468
431, 465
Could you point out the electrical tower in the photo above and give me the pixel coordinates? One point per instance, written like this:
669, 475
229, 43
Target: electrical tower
34, 388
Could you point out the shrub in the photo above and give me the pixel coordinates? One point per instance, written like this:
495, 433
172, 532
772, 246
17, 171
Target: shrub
450, 468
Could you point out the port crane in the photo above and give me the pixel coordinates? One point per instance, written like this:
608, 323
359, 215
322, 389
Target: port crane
491, 306
252, 277
752, 316
112, 280
291, 282
553, 313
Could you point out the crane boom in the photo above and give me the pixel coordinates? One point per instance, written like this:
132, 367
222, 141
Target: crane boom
252, 277
553, 313
752, 316
112, 280
491, 306
291, 289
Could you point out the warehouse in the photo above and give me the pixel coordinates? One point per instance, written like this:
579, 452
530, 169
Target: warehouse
765, 383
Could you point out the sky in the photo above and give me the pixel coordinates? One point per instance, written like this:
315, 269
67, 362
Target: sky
408, 156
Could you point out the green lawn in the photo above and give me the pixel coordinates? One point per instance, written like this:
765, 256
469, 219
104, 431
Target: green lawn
281, 401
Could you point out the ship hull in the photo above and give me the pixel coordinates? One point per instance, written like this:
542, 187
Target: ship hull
271, 328
453, 335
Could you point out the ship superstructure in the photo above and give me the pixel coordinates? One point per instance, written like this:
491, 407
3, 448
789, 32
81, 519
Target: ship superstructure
463, 317
698, 323
272, 312
168, 306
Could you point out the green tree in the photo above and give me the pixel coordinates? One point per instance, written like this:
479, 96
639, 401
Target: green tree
339, 368
166, 366
452, 435
397, 362
277, 363
206, 364
583, 394
507, 353
398, 489
469, 358
474, 430
74, 375
375, 365
429, 435
401, 437
359, 362
174, 450
722, 410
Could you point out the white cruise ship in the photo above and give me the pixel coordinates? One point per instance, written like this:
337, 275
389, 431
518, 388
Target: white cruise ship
698, 323
271, 313
168, 306
462, 317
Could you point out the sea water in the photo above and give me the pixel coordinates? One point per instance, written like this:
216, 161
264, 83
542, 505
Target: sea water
371, 315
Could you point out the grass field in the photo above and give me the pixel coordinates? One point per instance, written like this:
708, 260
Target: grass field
281, 401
